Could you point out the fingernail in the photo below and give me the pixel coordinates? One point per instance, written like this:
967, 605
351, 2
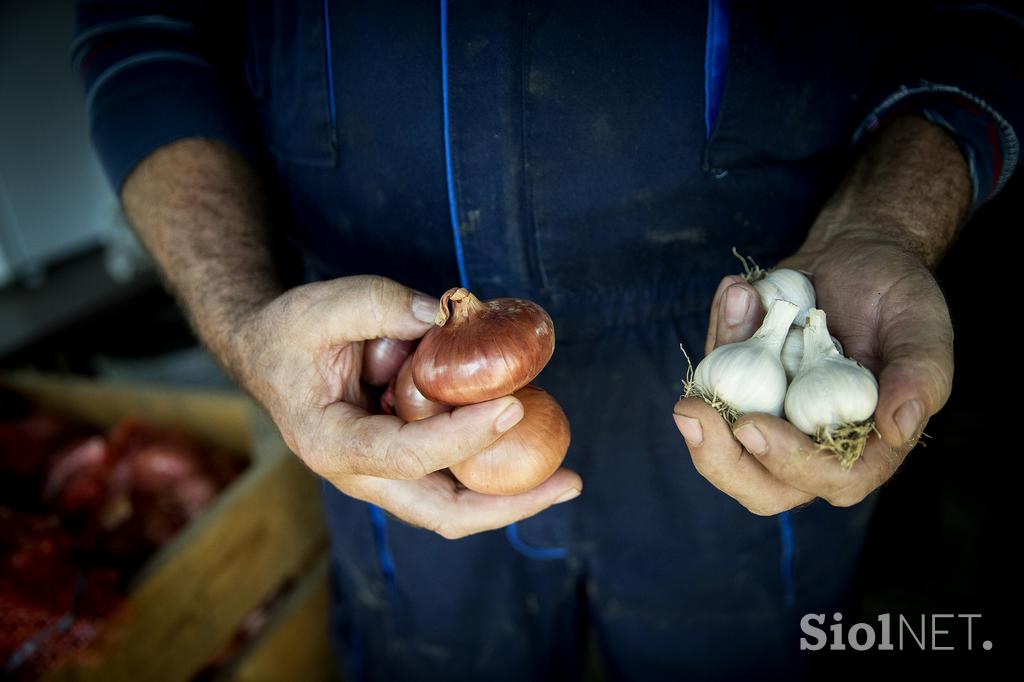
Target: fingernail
737, 302
424, 308
908, 418
570, 494
691, 429
752, 439
509, 417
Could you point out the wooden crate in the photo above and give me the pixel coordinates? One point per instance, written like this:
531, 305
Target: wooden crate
293, 645
263, 531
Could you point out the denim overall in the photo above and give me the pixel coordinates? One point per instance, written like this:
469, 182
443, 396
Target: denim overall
602, 160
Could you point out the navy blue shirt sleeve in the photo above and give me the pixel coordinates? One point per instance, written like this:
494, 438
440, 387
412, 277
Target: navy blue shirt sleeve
155, 72
960, 66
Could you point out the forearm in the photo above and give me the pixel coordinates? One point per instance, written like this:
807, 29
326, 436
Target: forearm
910, 185
199, 210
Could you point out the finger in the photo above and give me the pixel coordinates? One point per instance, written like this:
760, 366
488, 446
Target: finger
916, 349
721, 460
736, 313
797, 461
438, 503
369, 307
355, 442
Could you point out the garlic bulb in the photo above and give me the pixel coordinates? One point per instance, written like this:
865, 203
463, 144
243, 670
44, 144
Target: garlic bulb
748, 376
787, 285
793, 350
829, 391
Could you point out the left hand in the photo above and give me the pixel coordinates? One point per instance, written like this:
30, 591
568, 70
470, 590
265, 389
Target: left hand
887, 310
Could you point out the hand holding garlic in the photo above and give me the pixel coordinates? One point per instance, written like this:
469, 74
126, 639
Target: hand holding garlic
887, 310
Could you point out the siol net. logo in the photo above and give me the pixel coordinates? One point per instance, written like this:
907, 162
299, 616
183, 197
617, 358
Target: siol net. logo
929, 632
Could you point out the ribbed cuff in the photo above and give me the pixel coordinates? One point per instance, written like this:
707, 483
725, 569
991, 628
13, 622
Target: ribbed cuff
149, 103
988, 142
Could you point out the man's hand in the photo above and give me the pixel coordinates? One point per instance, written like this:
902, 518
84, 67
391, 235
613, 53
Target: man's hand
304, 358
888, 311
869, 257
199, 209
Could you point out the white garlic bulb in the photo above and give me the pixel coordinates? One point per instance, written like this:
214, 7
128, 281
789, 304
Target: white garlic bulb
793, 350
828, 391
748, 375
787, 285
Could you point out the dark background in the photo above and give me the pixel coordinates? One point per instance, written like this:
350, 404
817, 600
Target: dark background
946, 535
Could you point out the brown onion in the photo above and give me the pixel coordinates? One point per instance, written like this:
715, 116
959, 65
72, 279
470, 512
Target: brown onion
409, 404
382, 358
479, 351
526, 455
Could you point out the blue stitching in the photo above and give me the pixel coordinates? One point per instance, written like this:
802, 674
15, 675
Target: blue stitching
716, 52
380, 541
511, 530
539, 553
708, 52
449, 174
329, 58
786, 560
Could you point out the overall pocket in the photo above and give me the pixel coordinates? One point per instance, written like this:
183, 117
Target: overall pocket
288, 72
793, 85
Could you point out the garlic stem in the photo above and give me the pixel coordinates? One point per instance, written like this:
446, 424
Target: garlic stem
787, 285
776, 324
818, 344
831, 398
747, 376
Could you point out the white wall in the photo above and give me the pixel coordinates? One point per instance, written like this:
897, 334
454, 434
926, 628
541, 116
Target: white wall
57, 199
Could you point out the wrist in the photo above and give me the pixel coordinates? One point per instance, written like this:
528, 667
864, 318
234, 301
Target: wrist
910, 187
242, 343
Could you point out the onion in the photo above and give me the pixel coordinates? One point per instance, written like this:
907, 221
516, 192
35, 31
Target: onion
408, 403
382, 358
526, 455
480, 351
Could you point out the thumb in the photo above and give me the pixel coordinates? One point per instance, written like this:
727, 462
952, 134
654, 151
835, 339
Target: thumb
736, 313
917, 373
369, 307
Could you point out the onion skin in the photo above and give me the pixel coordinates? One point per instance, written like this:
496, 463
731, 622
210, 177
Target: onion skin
526, 455
382, 358
409, 404
480, 351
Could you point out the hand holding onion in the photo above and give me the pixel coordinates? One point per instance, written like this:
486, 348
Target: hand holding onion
301, 355
765, 461
478, 351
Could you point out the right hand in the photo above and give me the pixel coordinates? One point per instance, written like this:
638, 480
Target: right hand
302, 357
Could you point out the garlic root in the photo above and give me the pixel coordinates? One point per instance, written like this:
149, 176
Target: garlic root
691, 389
846, 441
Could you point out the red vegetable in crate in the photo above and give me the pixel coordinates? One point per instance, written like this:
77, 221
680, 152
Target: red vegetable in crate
40, 587
77, 478
26, 443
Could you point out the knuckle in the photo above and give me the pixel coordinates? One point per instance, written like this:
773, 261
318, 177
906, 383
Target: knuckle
847, 497
705, 467
762, 508
443, 526
403, 461
450, 532
355, 456
380, 295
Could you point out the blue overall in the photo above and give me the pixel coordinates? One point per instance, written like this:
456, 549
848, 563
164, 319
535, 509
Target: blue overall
602, 160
